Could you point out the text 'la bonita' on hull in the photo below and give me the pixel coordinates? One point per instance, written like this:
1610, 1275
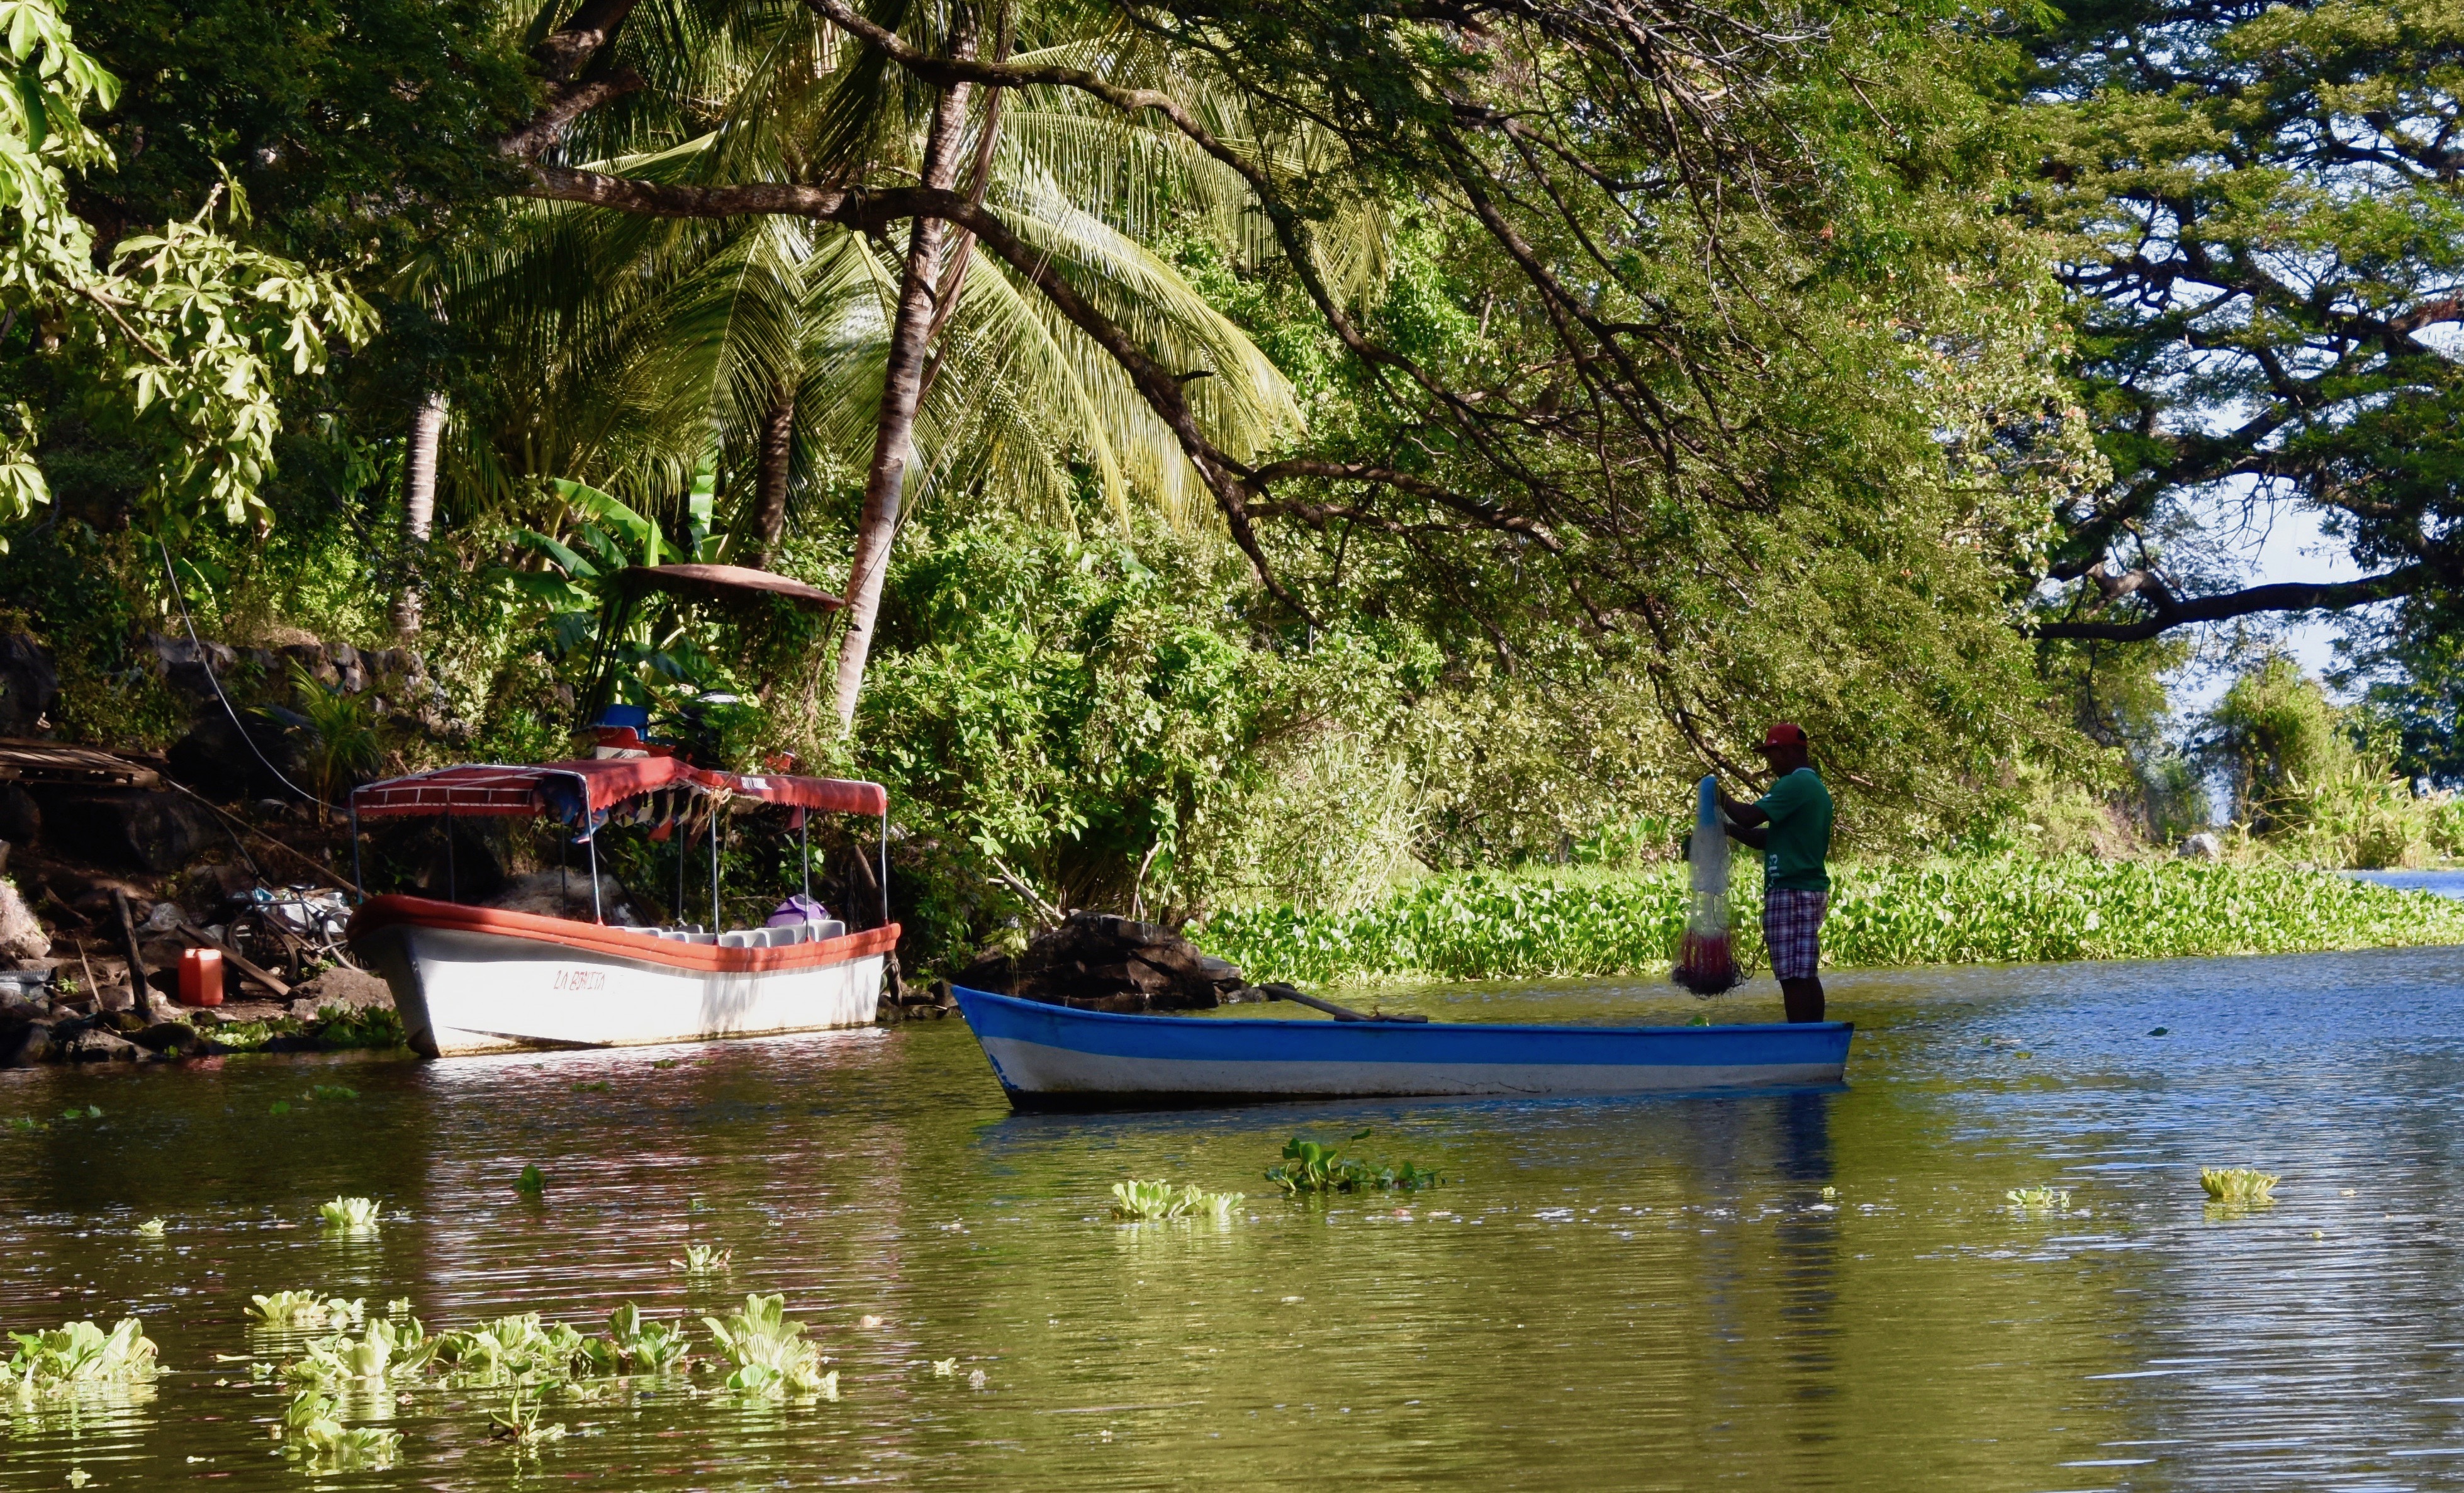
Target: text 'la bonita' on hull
1050, 1057
471, 980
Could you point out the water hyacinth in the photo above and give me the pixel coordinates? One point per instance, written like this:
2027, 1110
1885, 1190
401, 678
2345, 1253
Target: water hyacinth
310, 1431
768, 1353
520, 1424
1160, 1199
1311, 1168
385, 1350
2040, 1197
705, 1260
151, 1228
2238, 1184
81, 1353
349, 1215
303, 1309
512, 1347
2008, 909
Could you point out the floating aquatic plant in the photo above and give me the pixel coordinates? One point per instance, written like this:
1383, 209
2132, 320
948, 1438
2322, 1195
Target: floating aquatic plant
768, 1353
637, 1344
309, 1430
386, 1350
705, 1260
349, 1215
517, 1347
2238, 1184
977, 1380
1311, 1168
303, 1309
81, 1353
2046, 1199
945, 1366
520, 1424
151, 1228
1160, 1199
533, 1181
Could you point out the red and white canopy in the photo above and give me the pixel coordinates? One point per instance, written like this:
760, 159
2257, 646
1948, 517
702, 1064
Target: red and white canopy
594, 785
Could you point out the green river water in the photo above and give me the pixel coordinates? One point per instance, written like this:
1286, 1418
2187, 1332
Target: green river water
1629, 1294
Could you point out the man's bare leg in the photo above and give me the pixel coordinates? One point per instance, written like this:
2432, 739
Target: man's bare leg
1802, 999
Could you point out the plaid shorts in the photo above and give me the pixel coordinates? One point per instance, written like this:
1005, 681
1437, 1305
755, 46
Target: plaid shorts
1792, 931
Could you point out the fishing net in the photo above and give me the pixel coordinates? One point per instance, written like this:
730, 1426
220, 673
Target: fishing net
1706, 957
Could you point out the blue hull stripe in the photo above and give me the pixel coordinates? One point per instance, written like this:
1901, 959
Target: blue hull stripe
1150, 1054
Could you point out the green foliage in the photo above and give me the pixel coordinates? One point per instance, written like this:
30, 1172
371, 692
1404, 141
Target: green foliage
2002, 909
343, 745
2263, 224
2040, 1199
767, 1351
349, 1215
1160, 1199
81, 1353
151, 1228
1311, 1169
532, 1181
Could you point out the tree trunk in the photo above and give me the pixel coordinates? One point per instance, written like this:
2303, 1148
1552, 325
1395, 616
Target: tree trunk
770, 490
902, 387
419, 501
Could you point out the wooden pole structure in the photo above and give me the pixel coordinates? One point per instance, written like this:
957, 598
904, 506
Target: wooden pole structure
140, 991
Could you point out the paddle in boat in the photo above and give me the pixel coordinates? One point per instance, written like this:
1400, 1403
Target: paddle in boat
1053, 1056
479, 979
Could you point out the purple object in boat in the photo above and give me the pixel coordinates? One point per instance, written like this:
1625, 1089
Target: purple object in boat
798, 909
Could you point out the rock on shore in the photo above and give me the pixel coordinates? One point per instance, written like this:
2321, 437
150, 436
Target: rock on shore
1097, 962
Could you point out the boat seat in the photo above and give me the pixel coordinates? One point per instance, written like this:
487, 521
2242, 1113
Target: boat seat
740, 938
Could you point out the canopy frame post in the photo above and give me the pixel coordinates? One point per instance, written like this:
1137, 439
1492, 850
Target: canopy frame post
805, 851
716, 927
885, 861
596, 916
452, 889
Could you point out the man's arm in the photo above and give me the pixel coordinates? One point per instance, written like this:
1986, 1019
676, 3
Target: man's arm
1747, 823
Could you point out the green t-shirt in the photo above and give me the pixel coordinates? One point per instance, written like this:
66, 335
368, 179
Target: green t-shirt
1799, 807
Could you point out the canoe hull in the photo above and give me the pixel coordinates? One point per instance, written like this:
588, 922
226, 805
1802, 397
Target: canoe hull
1051, 1057
473, 984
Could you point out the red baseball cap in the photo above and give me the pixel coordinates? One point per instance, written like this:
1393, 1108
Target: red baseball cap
1786, 734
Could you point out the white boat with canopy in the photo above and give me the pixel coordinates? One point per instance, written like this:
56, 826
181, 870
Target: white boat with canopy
473, 979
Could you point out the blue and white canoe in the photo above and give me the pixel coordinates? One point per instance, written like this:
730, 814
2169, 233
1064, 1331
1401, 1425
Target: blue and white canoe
1050, 1057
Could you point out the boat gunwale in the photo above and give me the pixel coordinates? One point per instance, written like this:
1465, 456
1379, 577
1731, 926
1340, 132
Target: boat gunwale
397, 910
1304, 1024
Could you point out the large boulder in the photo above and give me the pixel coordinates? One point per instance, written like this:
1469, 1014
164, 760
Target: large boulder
340, 989
1098, 962
236, 761
29, 684
154, 829
22, 939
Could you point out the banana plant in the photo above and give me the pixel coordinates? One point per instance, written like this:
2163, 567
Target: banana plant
643, 647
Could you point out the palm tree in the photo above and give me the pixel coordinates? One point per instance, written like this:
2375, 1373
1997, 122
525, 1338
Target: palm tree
801, 346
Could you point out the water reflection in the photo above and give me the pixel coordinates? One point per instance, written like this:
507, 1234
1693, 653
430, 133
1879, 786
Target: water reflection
1823, 1290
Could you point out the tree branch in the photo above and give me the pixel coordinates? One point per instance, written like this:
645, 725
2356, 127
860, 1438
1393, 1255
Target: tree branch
2166, 612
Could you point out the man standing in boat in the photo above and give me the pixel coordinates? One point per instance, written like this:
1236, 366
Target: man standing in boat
1790, 824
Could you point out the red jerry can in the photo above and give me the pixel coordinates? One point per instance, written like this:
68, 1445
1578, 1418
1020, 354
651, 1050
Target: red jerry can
201, 977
